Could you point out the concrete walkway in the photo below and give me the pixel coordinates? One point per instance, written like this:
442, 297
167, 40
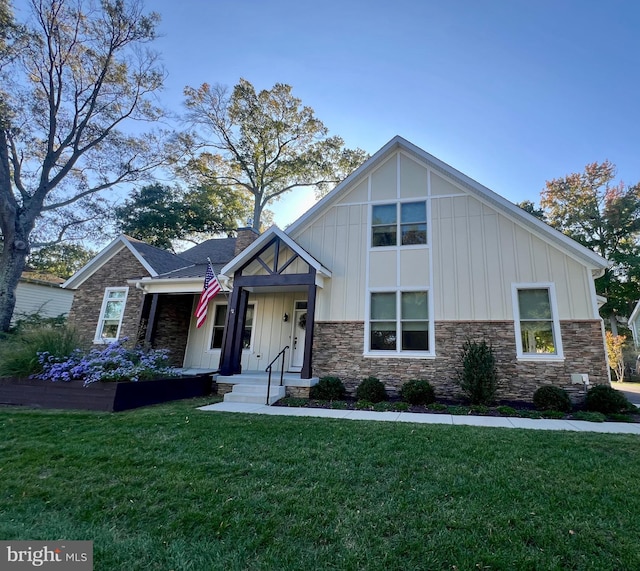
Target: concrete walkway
491, 421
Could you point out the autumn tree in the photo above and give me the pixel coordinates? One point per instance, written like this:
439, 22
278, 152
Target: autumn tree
160, 214
530, 207
68, 93
605, 217
263, 144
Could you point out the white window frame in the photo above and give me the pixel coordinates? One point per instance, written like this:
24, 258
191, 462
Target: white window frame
555, 317
399, 353
398, 204
253, 327
98, 339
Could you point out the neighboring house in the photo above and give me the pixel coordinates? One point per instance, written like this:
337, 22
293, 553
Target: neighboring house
41, 294
388, 276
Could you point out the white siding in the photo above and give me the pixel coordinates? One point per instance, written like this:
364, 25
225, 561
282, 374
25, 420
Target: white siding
270, 336
473, 255
47, 300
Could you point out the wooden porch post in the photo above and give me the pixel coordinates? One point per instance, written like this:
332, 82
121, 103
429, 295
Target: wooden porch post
226, 355
306, 371
153, 320
236, 341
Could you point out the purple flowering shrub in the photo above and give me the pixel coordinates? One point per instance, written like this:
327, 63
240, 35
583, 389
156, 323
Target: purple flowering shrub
115, 362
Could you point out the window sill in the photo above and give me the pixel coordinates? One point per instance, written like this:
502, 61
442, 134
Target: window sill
538, 358
396, 355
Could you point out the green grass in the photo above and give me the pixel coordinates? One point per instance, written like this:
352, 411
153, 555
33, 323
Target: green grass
170, 487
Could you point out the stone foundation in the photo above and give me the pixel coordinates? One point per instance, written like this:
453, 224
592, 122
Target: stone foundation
296, 392
338, 351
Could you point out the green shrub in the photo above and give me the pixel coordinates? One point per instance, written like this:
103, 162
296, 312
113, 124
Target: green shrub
507, 410
437, 406
607, 400
589, 416
418, 391
372, 390
400, 406
383, 406
293, 401
458, 410
553, 414
328, 388
19, 352
364, 405
525, 413
551, 398
338, 404
478, 377
620, 417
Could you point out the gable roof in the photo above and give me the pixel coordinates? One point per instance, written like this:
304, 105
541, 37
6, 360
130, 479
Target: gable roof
273, 232
154, 260
595, 262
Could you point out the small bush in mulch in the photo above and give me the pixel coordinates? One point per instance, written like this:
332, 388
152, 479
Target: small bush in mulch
372, 390
607, 400
552, 398
505, 410
589, 416
328, 388
418, 391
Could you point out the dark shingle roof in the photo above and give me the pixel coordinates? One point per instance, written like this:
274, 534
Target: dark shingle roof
219, 250
160, 260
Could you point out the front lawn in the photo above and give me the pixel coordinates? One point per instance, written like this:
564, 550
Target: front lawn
171, 487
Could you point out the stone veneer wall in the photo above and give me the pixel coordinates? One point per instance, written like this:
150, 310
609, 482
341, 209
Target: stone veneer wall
338, 348
87, 300
172, 330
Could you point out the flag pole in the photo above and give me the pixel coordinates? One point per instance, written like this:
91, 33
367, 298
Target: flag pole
226, 295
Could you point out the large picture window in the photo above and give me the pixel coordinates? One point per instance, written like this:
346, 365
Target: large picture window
537, 325
403, 224
399, 321
111, 315
219, 321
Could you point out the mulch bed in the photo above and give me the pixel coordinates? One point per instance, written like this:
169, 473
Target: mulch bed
523, 410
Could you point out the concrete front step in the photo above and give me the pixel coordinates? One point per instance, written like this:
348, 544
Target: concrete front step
252, 393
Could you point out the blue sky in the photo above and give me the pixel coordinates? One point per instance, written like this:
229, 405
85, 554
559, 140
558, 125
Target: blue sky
510, 92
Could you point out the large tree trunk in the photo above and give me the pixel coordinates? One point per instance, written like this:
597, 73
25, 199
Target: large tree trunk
12, 264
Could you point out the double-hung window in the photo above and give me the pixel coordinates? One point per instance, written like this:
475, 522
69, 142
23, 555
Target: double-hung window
219, 322
536, 322
399, 224
111, 315
399, 321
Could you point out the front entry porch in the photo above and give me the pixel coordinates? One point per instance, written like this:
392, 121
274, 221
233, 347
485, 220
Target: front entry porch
251, 386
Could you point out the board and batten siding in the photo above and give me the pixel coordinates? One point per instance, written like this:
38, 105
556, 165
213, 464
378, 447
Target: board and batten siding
49, 300
271, 333
473, 256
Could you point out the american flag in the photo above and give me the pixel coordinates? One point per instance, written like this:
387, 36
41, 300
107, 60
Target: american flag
210, 290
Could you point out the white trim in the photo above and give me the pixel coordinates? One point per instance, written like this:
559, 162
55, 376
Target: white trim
482, 193
84, 273
248, 252
557, 337
368, 352
97, 339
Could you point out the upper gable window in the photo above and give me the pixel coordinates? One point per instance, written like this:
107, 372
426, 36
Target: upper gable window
401, 224
111, 314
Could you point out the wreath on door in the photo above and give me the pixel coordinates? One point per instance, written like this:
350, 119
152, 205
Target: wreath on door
302, 322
